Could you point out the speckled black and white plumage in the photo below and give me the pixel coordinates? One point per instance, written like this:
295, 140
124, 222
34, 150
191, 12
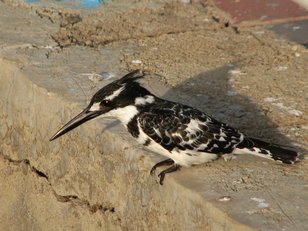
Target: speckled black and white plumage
179, 127
188, 136
185, 135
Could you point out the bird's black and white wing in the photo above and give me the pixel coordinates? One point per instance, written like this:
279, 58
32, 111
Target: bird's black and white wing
182, 128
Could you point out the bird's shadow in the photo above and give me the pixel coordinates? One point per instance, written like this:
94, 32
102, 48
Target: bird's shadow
212, 93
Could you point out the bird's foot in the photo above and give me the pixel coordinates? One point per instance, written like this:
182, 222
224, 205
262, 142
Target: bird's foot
159, 164
162, 175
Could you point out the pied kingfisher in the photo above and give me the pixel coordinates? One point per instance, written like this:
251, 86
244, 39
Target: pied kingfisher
185, 135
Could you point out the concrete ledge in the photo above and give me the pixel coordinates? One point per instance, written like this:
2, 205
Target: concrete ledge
88, 168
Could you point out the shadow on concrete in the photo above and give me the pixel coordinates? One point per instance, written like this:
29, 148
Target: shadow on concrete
212, 93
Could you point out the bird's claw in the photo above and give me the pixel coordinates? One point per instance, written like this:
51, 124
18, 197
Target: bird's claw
159, 164
161, 178
153, 169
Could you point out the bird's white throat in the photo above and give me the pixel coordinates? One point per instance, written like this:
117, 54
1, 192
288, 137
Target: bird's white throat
124, 114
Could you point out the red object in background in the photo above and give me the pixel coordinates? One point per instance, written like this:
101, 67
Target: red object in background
261, 10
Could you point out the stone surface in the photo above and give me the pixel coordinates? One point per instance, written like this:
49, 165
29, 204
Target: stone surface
97, 177
295, 31
263, 10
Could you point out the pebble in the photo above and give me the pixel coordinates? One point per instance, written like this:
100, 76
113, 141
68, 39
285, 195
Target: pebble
106, 75
261, 202
136, 61
231, 93
224, 199
282, 68
236, 72
96, 78
270, 99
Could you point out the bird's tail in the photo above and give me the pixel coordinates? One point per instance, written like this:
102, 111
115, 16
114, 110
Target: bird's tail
267, 150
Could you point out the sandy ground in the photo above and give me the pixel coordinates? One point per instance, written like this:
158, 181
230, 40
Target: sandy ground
247, 77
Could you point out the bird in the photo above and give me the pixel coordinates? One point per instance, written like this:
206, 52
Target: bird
183, 134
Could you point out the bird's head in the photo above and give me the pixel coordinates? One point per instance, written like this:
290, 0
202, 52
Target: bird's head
120, 99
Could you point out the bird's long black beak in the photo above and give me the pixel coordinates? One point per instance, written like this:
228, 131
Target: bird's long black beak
81, 118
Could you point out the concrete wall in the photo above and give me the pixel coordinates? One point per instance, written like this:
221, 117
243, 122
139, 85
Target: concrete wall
86, 180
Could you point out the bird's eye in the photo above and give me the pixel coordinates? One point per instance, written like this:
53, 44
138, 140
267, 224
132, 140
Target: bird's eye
106, 102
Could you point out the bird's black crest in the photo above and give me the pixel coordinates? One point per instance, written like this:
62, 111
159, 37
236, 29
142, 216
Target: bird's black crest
108, 89
131, 76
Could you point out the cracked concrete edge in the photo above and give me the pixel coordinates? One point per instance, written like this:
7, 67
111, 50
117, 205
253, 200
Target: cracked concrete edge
30, 203
61, 198
101, 168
